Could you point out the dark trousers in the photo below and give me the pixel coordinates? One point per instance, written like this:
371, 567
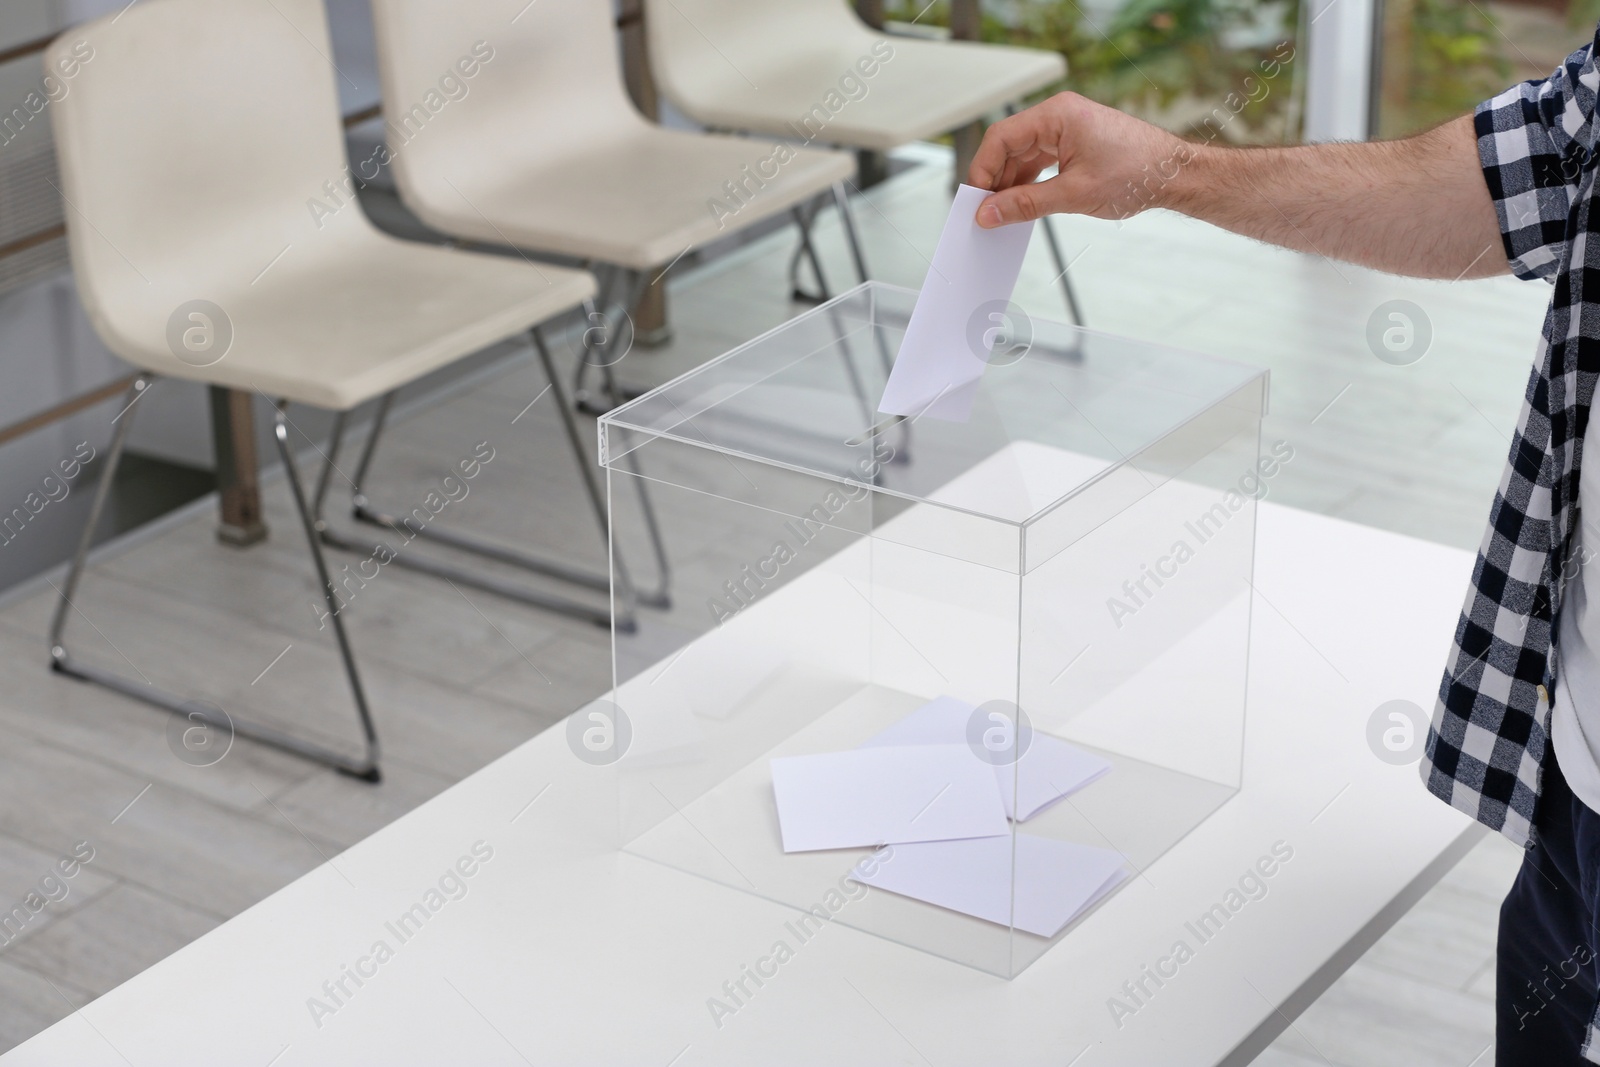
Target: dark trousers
1547, 973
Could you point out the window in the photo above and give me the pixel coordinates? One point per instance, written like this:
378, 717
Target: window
1214, 69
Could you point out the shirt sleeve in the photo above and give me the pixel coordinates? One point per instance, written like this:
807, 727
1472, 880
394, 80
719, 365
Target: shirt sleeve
1534, 142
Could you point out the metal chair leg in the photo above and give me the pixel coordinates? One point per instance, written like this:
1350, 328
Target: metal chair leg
570, 424
62, 661
620, 290
807, 250
1061, 271
847, 358
617, 301
69, 586
591, 311
335, 439
629, 285
842, 200
661, 596
364, 511
379, 418
368, 771
625, 590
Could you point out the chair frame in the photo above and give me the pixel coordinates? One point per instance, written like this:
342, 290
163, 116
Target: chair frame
619, 581
621, 289
805, 250
318, 534
62, 661
310, 148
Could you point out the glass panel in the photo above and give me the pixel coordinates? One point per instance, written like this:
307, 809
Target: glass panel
804, 396
849, 576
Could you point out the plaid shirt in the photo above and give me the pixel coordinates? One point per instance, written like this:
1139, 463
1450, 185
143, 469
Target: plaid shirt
1491, 727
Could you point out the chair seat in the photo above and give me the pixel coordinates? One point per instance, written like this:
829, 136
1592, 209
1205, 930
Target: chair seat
337, 325
926, 89
637, 200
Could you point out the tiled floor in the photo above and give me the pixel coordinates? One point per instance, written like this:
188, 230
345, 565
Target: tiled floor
460, 677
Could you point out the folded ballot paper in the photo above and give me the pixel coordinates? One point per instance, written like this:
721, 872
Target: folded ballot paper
1048, 769
946, 343
892, 794
1040, 886
919, 787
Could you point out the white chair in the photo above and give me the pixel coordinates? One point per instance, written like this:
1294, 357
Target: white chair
546, 152
811, 70
191, 149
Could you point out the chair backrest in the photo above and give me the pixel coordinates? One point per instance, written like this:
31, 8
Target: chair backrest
478, 90
193, 138
703, 51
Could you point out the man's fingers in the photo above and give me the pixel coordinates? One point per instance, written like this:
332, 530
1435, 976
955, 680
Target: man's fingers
1027, 173
1014, 136
1020, 170
1101, 156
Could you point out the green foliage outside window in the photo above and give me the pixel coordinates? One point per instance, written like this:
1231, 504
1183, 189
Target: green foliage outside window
1153, 56
1175, 61
1440, 59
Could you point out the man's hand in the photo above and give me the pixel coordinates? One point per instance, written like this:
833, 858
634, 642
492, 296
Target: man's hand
1112, 165
1417, 206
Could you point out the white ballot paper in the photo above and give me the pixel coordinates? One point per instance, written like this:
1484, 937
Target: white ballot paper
889, 795
962, 303
1054, 880
1048, 770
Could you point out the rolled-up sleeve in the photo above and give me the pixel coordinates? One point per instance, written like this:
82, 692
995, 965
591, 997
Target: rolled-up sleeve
1535, 141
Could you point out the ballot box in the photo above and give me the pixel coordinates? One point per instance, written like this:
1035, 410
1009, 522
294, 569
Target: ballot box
950, 678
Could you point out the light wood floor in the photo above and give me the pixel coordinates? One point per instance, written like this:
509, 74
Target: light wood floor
459, 678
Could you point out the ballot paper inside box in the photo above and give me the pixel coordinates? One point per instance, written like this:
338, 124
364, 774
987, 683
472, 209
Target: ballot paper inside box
1062, 575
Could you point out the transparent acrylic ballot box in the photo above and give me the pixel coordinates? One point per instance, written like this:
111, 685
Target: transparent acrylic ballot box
1054, 590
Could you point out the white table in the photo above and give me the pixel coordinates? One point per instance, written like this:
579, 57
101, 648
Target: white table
562, 953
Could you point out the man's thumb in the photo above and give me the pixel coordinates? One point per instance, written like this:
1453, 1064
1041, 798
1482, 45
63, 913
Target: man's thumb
1018, 204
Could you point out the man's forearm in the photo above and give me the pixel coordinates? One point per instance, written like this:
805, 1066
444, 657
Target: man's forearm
1417, 206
